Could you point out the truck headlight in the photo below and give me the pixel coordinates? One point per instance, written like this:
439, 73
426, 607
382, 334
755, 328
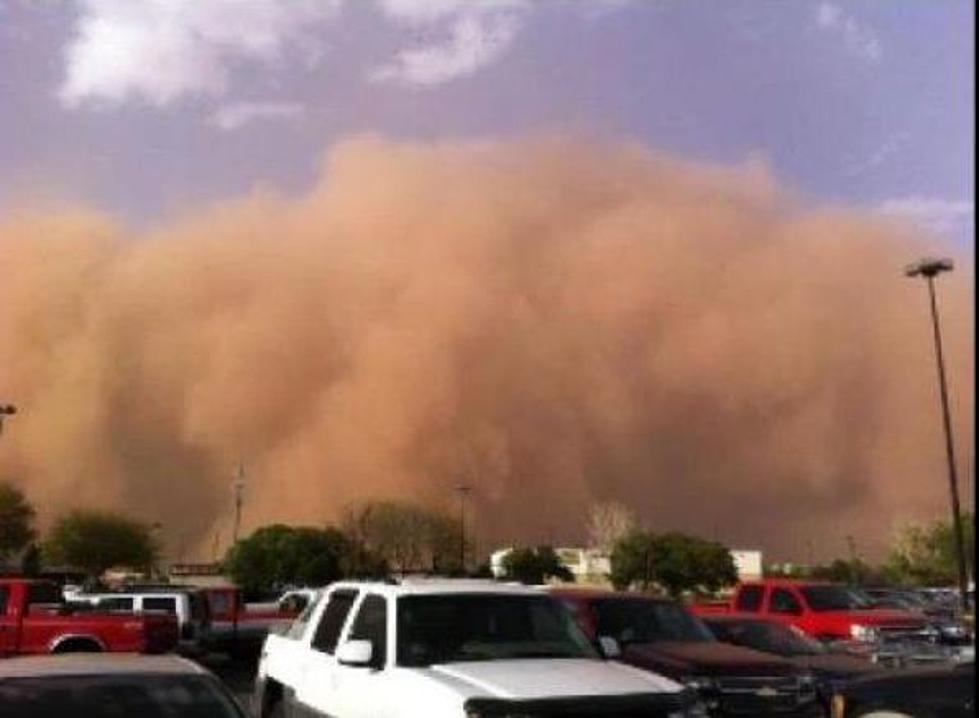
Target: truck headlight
866, 634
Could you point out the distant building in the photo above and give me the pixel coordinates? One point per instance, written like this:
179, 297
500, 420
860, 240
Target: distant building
748, 563
198, 574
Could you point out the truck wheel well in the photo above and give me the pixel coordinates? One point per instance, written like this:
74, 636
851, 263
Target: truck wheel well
79, 644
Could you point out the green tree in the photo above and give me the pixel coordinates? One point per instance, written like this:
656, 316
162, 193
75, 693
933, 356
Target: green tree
631, 560
276, 556
674, 561
16, 521
926, 554
534, 566
94, 541
682, 563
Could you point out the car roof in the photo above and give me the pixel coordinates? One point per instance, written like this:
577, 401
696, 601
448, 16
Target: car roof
593, 594
430, 586
97, 664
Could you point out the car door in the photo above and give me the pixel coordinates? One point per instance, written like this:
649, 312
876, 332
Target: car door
315, 685
360, 689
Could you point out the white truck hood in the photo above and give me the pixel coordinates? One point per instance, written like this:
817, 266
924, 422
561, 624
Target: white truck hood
547, 678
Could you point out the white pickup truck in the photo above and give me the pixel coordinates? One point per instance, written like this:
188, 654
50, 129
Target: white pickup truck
449, 648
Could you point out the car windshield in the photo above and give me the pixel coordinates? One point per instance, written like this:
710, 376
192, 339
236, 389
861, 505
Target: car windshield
636, 620
116, 697
479, 627
767, 636
835, 598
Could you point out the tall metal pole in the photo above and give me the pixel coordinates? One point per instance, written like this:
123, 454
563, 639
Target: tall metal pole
239, 490
929, 268
953, 480
463, 490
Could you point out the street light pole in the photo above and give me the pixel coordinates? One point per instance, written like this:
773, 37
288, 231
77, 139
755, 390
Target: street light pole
930, 268
463, 491
239, 491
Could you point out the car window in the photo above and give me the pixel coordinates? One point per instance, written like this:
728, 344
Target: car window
460, 627
115, 696
371, 625
220, 604
116, 603
637, 620
298, 627
43, 593
749, 599
168, 604
783, 601
331, 623
831, 597
4, 593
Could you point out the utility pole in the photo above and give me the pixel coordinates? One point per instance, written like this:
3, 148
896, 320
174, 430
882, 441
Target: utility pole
929, 268
239, 497
463, 490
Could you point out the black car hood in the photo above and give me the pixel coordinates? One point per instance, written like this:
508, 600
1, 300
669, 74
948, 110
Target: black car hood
704, 658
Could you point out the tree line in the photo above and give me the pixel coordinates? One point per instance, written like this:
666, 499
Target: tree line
379, 538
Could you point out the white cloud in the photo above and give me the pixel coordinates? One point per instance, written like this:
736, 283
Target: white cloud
161, 50
239, 114
858, 38
474, 43
428, 11
942, 217
475, 34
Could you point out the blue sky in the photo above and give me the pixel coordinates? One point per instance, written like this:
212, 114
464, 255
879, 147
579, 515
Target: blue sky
145, 108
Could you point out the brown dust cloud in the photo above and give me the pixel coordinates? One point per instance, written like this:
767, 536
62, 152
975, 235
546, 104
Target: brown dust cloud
553, 322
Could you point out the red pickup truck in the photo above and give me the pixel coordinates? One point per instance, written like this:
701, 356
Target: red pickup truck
237, 628
34, 619
827, 611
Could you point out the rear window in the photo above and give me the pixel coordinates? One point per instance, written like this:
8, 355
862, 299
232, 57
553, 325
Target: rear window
168, 604
39, 593
749, 599
116, 603
115, 697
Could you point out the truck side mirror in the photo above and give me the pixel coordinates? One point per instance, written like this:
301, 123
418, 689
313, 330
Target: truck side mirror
357, 654
609, 646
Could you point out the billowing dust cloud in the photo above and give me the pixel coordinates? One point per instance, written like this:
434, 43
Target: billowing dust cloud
550, 322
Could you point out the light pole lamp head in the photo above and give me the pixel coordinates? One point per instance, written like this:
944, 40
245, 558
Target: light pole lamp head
928, 267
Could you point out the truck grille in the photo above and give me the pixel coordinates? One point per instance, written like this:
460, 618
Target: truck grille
763, 696
907, 634
626, 706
